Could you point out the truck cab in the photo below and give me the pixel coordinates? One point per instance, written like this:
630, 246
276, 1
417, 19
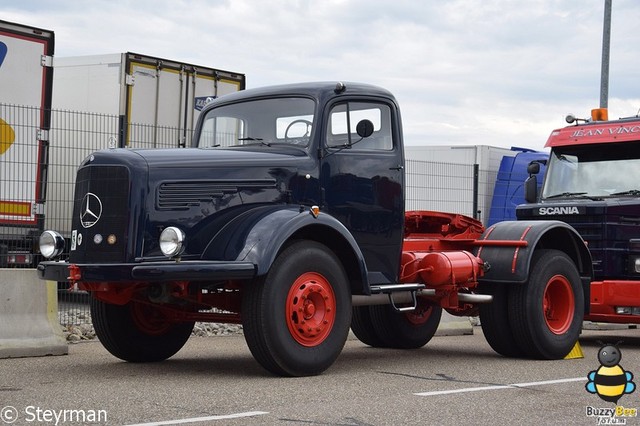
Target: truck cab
356, 178
592, 183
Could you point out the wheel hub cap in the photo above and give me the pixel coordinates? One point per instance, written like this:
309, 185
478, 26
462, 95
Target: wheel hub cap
310, 309
558, 304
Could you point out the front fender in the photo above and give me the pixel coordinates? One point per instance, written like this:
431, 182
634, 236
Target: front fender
510, 264
257, 236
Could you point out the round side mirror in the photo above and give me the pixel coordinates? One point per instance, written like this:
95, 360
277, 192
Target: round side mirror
364, 128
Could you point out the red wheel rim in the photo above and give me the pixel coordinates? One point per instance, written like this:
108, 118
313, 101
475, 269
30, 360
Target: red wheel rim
149, 320
558, 304
310, 309
421, 314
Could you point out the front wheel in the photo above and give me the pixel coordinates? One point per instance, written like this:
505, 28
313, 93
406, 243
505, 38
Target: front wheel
296, 320
546, 313
138, 332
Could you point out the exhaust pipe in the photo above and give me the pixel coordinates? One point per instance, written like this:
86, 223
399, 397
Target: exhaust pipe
406, 297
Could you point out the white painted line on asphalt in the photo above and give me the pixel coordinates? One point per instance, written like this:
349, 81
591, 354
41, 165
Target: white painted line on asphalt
511, 386
203, 419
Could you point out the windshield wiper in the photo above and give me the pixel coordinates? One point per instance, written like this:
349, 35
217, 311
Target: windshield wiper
572, 195
255, 139
633, 192
565, 194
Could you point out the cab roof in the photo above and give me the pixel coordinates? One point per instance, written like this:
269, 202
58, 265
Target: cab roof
321, 91
615, 131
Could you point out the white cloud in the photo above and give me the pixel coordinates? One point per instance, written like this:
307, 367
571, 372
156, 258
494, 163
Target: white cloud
496, 72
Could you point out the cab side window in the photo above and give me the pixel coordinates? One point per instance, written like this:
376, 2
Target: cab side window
344, 118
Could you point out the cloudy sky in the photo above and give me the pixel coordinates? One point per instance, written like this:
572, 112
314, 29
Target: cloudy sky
488, 72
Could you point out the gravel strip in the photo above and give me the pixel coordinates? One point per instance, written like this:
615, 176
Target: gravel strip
77, 327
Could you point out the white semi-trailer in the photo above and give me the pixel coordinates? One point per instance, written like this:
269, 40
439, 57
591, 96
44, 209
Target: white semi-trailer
143, 91
26, 75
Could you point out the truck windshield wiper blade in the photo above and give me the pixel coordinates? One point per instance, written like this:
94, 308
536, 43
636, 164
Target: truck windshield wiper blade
634, 192
255, 139
565, 194
572, 195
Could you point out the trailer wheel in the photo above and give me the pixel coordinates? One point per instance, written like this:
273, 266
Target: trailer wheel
363, 329
406, 330
546, 313
296, 320
494, 320
137, 332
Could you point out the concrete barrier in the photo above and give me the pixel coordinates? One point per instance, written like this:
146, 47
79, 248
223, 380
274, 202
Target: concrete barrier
29, 316
589, 325
451, 325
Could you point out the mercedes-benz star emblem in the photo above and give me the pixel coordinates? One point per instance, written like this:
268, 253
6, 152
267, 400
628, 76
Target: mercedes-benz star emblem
90, 210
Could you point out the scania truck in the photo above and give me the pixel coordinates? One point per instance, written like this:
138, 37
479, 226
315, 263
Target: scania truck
592, 182
286, 215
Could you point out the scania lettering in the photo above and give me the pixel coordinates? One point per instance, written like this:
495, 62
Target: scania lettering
286, 215
592, 183
558, 210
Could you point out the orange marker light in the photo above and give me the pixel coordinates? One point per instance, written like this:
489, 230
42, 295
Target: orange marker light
600, 114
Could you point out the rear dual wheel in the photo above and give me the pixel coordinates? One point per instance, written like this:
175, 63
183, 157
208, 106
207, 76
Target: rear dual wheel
546, 314
539, 319
494, 320
383, 327
363, 328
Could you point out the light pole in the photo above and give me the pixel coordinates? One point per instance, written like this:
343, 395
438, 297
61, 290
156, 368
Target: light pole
606, 41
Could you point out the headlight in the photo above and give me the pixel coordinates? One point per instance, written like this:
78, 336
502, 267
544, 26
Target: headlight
633, 264
172, 241
634, 257
51, 244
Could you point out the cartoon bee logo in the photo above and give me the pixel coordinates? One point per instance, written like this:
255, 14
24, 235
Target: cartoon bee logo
610, 381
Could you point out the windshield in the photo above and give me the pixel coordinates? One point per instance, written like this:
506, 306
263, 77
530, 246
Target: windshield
259, 122
597, 170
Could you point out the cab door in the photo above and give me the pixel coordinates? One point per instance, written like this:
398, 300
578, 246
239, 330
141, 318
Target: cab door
363, 181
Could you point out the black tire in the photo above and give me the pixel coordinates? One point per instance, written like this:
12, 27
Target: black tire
296, 320
406, 330
362, 327
546, 313
137, 332
494, 320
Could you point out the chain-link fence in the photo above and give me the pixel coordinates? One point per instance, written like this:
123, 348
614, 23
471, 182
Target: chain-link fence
37, 178
449, 187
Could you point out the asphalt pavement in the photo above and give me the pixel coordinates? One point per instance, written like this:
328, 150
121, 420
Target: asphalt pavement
455, 380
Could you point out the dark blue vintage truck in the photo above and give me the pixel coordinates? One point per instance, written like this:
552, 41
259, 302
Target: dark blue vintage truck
287, 216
